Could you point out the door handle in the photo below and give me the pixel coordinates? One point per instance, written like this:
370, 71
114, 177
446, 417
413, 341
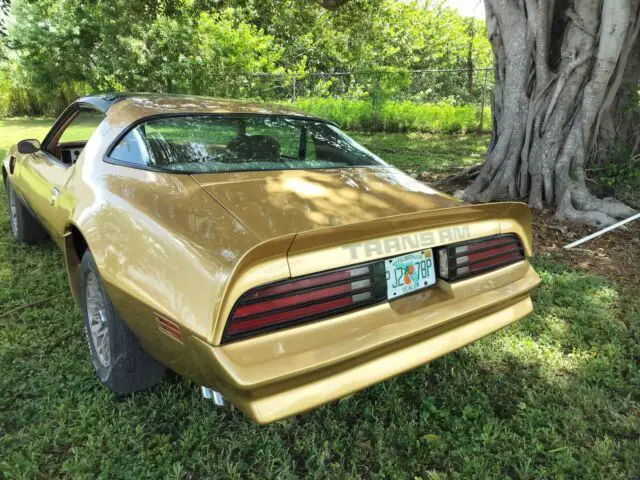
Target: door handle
55, 193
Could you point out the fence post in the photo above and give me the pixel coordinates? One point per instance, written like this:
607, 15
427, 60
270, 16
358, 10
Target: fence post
484, 98
377, 101
293, 88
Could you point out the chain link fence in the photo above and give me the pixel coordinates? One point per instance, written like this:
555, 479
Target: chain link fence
376, 94
389, 99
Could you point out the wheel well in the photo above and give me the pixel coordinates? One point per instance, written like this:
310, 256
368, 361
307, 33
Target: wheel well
74, 248
78, 242
4, 176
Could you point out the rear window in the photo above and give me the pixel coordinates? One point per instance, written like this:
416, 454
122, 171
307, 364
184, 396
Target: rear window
211, 144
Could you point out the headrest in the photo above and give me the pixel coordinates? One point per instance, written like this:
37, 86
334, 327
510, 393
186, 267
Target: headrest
255, 148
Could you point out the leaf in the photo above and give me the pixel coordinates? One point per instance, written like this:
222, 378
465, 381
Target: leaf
431, 437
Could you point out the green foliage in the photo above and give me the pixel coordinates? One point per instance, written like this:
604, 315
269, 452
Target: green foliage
367, 34
622, 179
123, 46
57, 50
397, 116
617, 173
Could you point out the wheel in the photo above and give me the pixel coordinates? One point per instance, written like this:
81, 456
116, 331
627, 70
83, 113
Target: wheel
24, 226
121, 364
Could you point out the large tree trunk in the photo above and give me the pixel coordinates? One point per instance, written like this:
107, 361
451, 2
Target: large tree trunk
619, 137
558, 67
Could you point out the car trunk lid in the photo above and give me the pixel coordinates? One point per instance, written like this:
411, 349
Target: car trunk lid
276, 203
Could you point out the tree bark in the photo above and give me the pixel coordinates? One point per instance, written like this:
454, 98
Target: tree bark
619, 137
558, 67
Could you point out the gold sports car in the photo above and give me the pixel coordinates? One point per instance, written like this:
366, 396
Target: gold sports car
258, 251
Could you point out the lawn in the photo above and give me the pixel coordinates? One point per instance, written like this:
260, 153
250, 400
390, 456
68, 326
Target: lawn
555, 395
424, 152
16, 129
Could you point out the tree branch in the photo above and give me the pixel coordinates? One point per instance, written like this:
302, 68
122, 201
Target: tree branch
332, 4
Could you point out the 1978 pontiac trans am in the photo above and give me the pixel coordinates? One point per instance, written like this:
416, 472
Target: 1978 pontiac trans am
258, 251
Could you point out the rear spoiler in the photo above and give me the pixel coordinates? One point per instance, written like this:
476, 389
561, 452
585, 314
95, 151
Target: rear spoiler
333, 247
384, 237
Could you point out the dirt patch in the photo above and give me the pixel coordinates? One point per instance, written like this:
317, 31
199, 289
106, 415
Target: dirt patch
615, 255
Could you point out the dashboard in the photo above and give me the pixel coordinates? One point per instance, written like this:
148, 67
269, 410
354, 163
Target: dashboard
69, 152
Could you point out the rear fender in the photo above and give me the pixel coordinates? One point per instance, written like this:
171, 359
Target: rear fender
264, 263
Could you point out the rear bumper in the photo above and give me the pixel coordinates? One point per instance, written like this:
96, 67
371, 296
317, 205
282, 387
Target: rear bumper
289, 372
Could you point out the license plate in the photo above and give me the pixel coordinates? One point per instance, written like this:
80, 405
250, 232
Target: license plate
410, 272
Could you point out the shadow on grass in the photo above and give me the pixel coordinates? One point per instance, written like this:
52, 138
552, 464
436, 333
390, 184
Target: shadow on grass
553, 395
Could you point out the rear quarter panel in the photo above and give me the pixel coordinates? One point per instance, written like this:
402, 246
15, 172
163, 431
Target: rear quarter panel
162, 245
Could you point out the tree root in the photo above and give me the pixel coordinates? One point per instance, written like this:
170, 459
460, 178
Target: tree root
579, 206
466, 174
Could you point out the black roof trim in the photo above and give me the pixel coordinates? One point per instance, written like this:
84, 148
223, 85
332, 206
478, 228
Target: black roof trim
103, 101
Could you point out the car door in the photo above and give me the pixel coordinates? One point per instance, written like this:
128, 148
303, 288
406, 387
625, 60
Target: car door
45, 173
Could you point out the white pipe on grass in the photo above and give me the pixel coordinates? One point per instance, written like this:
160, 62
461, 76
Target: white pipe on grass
602, 232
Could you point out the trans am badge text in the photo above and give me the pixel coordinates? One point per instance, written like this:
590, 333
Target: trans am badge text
402, 243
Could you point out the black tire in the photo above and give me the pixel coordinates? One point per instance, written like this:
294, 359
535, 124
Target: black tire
125, 368
24, 226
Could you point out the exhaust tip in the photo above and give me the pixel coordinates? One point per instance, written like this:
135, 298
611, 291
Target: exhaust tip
210, 394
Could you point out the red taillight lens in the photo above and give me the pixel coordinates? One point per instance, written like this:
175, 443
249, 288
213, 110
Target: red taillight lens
463, 260
326, 294
306, 299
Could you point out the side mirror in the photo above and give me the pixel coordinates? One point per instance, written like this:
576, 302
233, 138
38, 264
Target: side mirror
28, 146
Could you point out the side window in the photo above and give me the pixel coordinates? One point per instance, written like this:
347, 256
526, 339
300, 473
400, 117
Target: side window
81, 127
67, 144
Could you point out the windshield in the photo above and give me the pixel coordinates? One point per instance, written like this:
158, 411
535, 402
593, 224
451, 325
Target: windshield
211, 144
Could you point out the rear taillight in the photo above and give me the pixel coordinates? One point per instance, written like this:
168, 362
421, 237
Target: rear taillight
306, 298
463, 260
322, 295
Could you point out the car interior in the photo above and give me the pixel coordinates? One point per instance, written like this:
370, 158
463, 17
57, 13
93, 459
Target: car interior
198, 146
243, 148
69, 152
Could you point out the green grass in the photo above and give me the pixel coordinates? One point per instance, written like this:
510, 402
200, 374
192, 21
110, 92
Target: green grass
12, 130
398, 116
423, 152
555, 395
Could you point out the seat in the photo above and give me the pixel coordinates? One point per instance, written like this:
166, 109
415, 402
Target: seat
254, 148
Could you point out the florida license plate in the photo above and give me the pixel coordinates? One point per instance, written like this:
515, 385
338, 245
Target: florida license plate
410, 272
